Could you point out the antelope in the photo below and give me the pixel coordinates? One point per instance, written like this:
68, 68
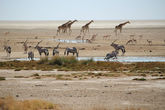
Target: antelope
93, 37
8, 50
41, 49
118, 47
78, 37
132, 41
113, 55
55, 51
106, 36
30, 55
88, 41
25, 47
149, 42
71, 50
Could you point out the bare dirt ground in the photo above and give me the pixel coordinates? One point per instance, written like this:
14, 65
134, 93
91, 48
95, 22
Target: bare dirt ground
104, 93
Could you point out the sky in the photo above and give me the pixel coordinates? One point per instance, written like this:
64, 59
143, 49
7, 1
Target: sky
82, 9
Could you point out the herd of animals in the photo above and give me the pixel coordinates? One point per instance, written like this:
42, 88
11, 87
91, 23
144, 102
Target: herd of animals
66, 28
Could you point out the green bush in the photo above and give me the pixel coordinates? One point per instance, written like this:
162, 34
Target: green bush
62, 60
2, 78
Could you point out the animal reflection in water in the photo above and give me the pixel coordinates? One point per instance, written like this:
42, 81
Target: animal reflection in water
71, 50
112, 55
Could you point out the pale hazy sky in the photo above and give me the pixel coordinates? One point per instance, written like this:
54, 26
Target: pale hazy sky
82, 9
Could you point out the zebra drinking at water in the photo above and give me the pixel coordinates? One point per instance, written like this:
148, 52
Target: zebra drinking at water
41, 49
71, 50
113, 55
8, 50
118, 47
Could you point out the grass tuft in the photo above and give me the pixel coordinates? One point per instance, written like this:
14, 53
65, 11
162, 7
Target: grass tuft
139, 79
9, 103
2, 78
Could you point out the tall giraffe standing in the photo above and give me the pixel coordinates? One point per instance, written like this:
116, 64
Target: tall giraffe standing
120, 26
62, 27
69, 26
85, 28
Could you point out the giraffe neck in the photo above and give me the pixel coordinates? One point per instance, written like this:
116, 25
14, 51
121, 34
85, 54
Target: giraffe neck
125, 23
89, 23
72, 22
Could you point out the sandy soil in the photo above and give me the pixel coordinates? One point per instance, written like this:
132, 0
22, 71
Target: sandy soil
109, 93
99, 47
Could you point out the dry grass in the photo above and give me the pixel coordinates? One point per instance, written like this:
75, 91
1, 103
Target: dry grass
9, 103
72, 64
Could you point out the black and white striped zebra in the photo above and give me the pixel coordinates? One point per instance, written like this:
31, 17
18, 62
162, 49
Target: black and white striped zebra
71, 50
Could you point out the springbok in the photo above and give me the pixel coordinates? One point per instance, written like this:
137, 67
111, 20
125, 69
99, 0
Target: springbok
112, 55
55, 50
132, 41
149, 42
78, 37
93, 37
118, 47
41, 49
106, 36
71, 50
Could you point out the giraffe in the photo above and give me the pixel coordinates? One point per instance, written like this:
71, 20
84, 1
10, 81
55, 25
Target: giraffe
69, 26
86, 27
120, 26
62, 27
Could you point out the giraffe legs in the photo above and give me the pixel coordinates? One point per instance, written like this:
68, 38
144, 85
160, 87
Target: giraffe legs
121, 30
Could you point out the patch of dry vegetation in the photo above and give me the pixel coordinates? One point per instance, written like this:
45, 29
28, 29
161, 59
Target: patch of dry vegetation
9, 103
72, 64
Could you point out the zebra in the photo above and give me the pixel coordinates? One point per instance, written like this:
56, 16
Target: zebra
118, 47
41, 49
8, 50
55, 51
113, 55
30, 55
71, 50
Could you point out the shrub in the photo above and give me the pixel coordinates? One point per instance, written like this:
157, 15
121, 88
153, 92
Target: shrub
140, 79
62, 60
2, 78
43, 60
